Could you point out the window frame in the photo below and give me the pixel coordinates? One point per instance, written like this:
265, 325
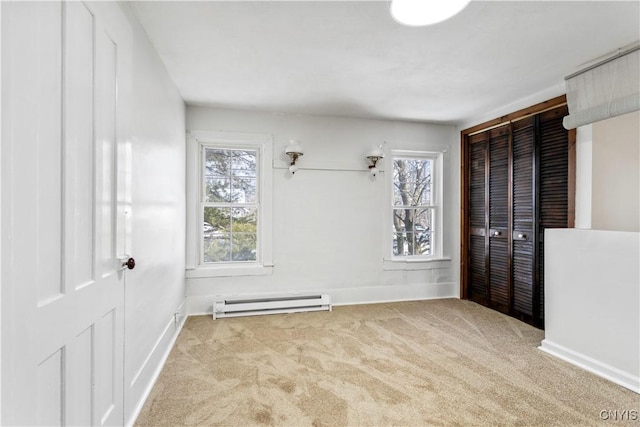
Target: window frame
198, 142
437, 178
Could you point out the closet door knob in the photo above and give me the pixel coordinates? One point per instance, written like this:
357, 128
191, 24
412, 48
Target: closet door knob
496, 233
521, 236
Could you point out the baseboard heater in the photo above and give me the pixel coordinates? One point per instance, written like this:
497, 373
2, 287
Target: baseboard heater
252, 306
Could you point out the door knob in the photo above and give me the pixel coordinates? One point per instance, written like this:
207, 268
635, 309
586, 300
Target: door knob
129, 263
521, 236
496, 233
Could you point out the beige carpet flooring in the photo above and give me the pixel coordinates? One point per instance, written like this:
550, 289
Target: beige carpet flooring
440, 363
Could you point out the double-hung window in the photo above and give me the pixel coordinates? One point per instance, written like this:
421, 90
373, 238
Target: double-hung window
415, 209
229, 204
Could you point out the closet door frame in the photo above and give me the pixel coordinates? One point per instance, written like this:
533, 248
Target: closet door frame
465, 176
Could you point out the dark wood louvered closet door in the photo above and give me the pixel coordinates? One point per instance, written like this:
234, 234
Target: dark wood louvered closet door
489, 277
499, 219
517, 185
478, 249
553, 184
523, 208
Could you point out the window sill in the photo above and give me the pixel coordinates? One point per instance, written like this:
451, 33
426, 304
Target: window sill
416, 264
228, 271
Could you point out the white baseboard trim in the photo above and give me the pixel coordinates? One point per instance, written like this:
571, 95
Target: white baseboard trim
161, 360
611, 373
198, 305
345, 304
414, 293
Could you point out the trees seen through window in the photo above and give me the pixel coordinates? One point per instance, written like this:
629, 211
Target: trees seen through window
413, 207
230, 205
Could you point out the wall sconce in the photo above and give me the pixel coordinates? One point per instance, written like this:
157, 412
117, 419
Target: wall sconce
373, 157
293, 150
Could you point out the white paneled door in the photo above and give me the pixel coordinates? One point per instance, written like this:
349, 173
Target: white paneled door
66, 92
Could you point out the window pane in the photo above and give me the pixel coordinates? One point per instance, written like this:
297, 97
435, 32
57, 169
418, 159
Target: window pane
243, 163
217, 189
422, 243
244, 247
400, 242
423, 229
412, 230
217, 248
412, 182
217, 162
244, 190
410, 244
218, 218
244, 220
399, 220
422, 219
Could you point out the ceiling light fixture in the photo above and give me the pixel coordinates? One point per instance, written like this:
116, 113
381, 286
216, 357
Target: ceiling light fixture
416, 13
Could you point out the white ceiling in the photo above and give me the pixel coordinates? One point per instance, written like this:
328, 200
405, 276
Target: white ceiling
351, 58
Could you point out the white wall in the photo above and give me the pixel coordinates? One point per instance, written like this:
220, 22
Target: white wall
155, 289
584, 176
616, 173
592, 316
1, 286
328, 218
592, 276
